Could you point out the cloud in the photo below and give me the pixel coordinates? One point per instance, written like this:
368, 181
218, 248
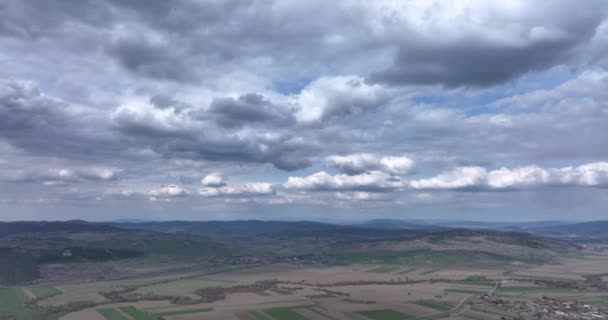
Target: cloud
362, 162
588, 87
459, 178
588, 175
360, 196
45, 125
24, 107
241, 190
189, 135
213, 180
249, 109
63, 176
167, 192
153, 57
322, 181
472, 43
167, 90
340, 96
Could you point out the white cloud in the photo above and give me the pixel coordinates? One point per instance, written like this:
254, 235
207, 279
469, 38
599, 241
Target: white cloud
588, 175
337, 96
518, 177
213, 180
360, 196
242, 190
62, 176
592, 174
168, 191
322, 181
362, 162
462, 177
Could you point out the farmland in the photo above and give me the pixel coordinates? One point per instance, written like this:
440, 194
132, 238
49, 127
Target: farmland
12, 303
43, 292
391, 279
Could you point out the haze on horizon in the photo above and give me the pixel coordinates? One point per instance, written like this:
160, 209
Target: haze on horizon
211, 110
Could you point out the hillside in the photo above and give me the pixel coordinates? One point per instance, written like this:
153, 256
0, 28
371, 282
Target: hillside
581, 229
24, 227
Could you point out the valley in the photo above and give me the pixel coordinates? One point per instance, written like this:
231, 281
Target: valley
320, 271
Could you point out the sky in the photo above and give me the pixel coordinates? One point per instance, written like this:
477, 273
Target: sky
291, 110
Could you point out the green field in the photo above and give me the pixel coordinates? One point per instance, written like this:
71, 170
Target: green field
215, 280
281, 291
434, 305
44, 291
135, 313
384, 315
177, 312
319, 312
481, 283
256, 315
386, 257
184, 286
179, 249
12, 303
533, 289
111, 314
384, 269
429, 271
465, 291
284, 314
408, 271
600, 300
472, 316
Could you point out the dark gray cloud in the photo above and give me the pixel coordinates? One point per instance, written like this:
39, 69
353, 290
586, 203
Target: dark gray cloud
249, 109
156, 60
189, 135
509, 47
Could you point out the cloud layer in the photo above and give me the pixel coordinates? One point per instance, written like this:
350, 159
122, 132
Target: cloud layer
588, 175
280, 109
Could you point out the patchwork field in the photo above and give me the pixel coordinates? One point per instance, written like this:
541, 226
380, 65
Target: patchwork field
12, 303
350, 280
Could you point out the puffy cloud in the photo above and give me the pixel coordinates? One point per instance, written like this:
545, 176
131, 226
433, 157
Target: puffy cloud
340, 96
241, 190
213, 180
322, 181
249, 109
214, 185
592, 174
187, 134
24, 107
588, 175
168, 191
63, 176
459, 178
360, 196
361, 162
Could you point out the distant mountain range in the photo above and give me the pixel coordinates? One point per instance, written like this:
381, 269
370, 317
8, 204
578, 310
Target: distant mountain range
433, 224
588, 229
249, 228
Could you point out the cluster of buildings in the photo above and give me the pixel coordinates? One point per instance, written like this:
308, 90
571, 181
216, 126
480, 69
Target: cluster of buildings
567, 310
490, 298
232, 260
